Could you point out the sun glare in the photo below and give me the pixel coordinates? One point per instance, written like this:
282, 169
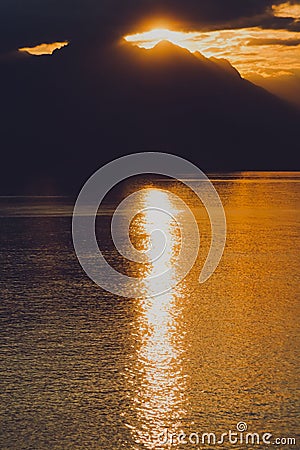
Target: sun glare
150, 39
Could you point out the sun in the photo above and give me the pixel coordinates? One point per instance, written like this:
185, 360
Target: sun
150, 39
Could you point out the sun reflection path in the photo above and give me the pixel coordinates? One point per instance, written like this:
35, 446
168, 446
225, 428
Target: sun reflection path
158, 210
157, 376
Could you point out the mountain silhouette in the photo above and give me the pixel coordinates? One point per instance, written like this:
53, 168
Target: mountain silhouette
65, 115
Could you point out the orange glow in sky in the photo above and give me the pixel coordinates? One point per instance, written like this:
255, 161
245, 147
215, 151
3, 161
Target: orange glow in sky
44, 49
265, 52
149, 39
287, 10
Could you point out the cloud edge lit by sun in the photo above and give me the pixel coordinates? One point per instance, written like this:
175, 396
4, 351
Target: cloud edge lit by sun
267, 52
44, 49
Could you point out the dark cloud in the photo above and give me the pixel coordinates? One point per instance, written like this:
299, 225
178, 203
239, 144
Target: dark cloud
285, 42
96, 22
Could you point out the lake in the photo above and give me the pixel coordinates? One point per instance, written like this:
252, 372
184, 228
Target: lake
85, 369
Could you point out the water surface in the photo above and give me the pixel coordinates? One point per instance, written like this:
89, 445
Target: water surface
83, 369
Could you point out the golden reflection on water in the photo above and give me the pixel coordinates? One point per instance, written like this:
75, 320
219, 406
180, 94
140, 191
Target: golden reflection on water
159, 401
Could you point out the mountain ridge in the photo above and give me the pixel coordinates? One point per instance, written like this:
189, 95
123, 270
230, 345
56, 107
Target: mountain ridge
65, 115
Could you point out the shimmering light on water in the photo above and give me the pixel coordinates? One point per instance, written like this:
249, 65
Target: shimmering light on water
83, 369
158, 400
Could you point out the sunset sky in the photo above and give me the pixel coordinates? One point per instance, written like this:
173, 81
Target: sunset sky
264, 46
261, 38
250, 50
82, 75
265, 42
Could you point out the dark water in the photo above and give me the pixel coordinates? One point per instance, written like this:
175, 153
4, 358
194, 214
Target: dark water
83, 369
